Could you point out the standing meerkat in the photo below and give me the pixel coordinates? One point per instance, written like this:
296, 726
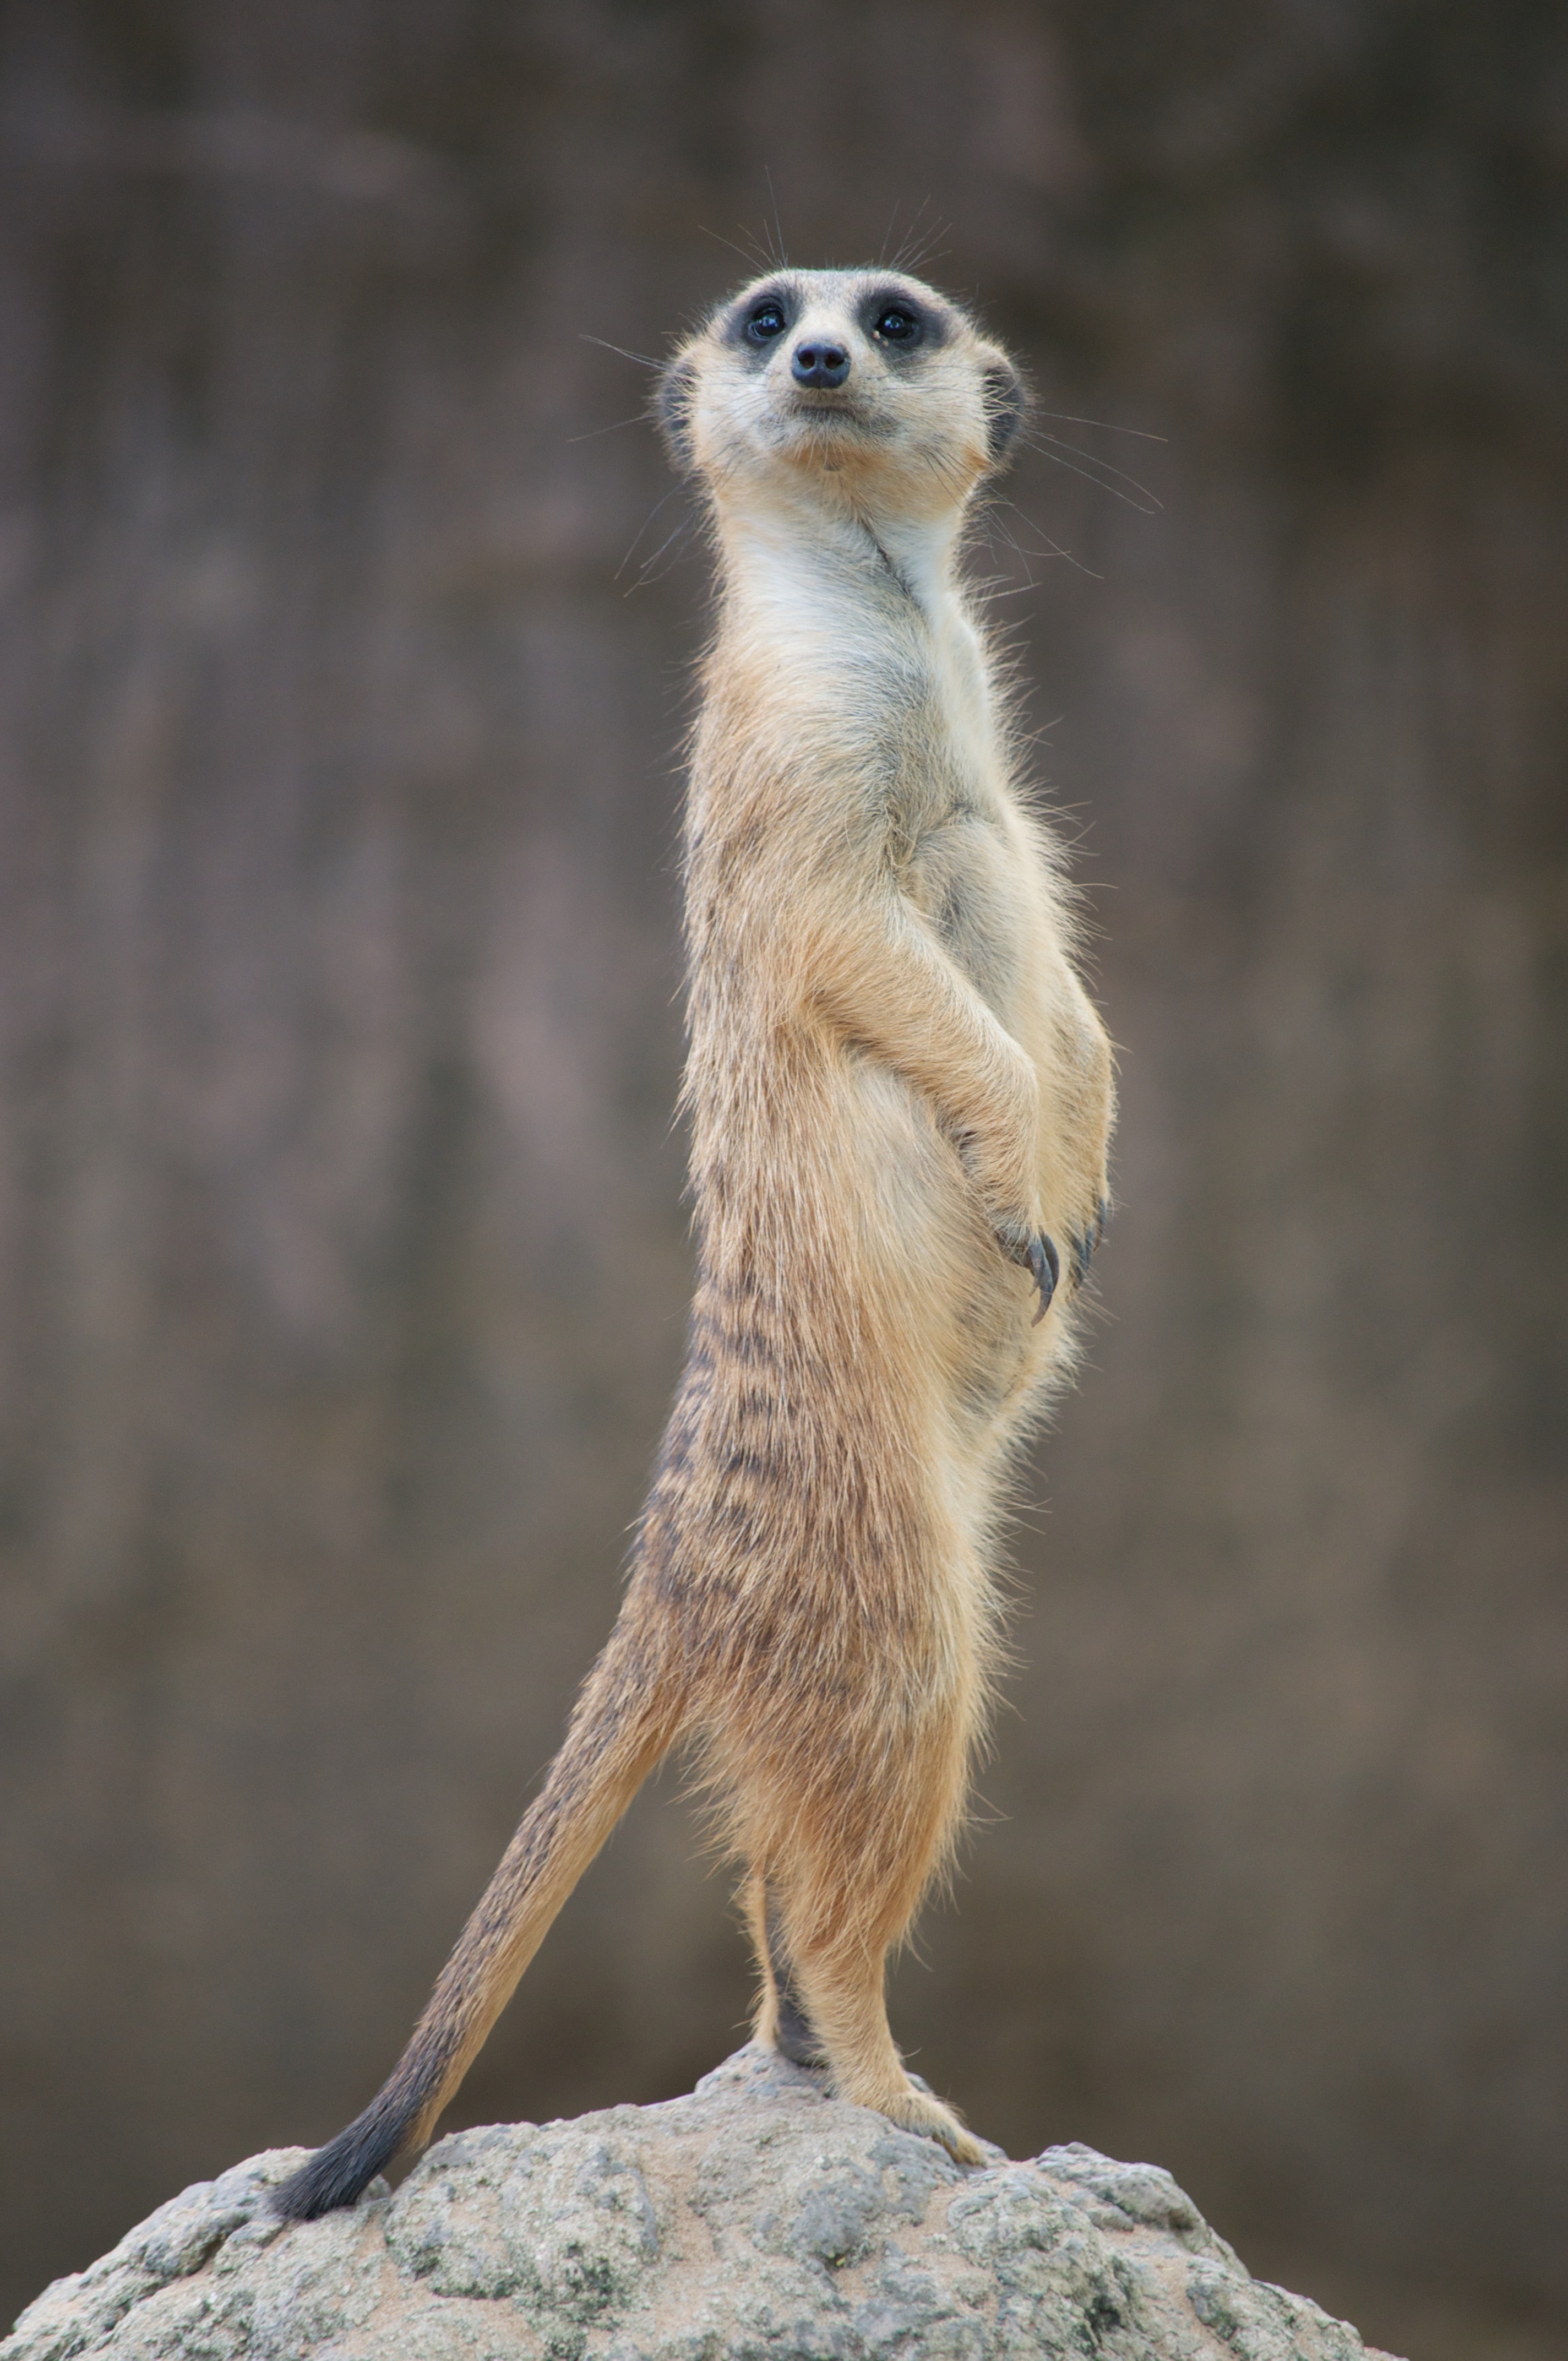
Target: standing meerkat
900, 1098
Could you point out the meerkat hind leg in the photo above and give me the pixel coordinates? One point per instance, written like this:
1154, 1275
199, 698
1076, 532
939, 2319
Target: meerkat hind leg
842, 1985
781, 2022
826, 1925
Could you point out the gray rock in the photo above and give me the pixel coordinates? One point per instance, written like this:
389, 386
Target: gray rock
755, 2221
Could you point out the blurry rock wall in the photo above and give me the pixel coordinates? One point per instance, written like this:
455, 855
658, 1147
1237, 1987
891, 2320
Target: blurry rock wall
342, 1257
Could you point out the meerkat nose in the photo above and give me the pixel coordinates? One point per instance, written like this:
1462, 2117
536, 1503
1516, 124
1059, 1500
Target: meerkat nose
826, 365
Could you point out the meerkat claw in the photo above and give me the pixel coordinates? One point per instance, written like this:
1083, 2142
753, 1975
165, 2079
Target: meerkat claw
1082, 1256
1035, 1253
1044, 1267
1083, 1248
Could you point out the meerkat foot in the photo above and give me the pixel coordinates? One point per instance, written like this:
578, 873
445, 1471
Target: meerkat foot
920, 2111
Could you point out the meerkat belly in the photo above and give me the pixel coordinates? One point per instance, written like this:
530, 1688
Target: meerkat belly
913, 1248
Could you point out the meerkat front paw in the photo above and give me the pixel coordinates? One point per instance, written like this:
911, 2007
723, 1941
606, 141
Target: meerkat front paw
1036, 1253
1079, 1096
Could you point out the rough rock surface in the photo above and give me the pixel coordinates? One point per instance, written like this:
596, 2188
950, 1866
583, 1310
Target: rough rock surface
755, 2221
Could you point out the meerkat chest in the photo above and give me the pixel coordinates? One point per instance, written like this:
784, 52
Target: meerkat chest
889, 688
962, 853
868, 693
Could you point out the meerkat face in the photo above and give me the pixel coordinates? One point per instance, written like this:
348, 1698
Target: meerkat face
865, 384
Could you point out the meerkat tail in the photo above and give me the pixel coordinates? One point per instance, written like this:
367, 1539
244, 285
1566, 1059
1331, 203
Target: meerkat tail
627, 1718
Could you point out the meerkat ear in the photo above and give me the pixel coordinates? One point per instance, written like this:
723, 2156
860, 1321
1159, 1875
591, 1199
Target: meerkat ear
672, 408
1006, 407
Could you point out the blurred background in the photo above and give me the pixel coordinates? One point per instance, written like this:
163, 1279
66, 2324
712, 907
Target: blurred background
343, 1261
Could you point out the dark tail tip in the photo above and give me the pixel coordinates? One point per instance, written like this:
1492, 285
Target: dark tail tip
342, 2170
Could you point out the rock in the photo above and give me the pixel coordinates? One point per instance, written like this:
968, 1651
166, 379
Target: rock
755, 2221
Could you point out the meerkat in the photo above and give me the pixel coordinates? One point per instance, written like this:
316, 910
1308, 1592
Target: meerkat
900, 1098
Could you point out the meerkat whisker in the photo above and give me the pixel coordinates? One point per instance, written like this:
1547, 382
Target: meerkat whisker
1050, 446
1104, 425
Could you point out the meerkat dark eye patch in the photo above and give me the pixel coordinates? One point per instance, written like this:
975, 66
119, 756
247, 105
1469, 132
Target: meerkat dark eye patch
897, 324
757, 322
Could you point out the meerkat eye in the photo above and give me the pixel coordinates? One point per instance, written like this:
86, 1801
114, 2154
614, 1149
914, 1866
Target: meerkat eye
765, 323
896, 324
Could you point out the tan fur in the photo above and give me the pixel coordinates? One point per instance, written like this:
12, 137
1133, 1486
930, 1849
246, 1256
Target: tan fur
897, 1088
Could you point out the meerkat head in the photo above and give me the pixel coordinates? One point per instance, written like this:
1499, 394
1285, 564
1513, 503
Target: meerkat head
865, 386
